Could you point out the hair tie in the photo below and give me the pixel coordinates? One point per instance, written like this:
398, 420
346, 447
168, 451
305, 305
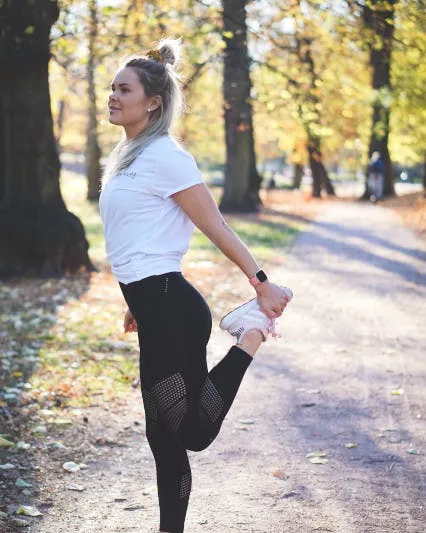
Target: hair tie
155, 55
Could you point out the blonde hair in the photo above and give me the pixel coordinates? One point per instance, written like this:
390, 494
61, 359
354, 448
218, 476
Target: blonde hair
158, 77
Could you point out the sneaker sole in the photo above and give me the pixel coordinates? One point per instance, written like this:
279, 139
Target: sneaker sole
228, 319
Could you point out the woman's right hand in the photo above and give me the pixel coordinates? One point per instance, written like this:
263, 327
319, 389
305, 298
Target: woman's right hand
129, 322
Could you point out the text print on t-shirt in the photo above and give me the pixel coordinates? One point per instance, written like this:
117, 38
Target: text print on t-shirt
127, 173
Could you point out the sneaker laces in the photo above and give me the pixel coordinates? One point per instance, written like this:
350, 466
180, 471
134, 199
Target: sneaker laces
271, 327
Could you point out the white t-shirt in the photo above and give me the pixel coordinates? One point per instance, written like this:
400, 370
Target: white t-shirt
146, 231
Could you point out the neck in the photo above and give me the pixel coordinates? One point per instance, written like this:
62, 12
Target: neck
133, 130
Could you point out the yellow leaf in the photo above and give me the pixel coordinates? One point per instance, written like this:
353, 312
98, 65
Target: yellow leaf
318, 460
318, 453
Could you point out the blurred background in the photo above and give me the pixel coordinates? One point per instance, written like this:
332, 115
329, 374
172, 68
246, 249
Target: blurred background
317, 72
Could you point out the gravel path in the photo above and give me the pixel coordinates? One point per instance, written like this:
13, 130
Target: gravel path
352, 338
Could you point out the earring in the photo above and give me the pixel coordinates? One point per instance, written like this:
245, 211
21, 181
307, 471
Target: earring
149, 110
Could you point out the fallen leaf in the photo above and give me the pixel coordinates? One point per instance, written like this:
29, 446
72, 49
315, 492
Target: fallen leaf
61, 422
133, 507
397, 392
70, 466
74, 486
39, 429
350, 445
7, 466
56, 444
413, 451
318, 460
18, 522
28, 510
280, 474
21, 483
5, 443
317, 453
21, 445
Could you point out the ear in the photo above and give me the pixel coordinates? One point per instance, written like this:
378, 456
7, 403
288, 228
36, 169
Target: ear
155, 102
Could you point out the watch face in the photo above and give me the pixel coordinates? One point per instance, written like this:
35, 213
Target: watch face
261, 276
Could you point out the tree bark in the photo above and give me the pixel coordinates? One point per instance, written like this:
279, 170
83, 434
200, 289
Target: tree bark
424, 174
242, 181
311, 119
93, 152
379, 16
38, 235
60, 123
297, 175
320, 179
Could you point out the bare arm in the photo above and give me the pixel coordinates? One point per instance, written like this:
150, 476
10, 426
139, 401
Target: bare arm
199, 205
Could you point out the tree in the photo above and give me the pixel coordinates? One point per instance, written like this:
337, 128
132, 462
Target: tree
38, 235
298, 52
408, 120
379, 17
242, 181
93, 152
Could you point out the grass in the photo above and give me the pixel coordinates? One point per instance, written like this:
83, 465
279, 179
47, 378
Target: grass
263, 237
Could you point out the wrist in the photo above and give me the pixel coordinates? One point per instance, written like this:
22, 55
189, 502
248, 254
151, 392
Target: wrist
261, 287
258, 278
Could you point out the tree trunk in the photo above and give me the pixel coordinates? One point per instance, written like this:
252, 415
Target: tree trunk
242, 181
93, 152
320, 179
297, 176
424, 174
311, 119
60, 123
379, 16
38, 236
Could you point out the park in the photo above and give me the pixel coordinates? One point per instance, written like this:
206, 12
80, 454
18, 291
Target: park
307, 122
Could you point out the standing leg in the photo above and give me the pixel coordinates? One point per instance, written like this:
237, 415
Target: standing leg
172, 466
184, 404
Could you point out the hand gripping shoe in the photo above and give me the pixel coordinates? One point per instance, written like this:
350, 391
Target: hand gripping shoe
250, 316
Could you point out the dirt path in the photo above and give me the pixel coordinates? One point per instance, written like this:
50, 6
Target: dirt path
353, 335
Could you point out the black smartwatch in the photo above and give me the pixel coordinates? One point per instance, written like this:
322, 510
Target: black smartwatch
259, 277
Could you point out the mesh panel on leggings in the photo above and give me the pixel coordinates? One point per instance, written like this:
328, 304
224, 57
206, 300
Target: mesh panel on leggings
210, 400
175, 414
185, 485
149, 405
170, 396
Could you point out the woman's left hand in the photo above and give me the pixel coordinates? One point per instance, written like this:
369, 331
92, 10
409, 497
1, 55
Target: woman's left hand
272, 299
129, 324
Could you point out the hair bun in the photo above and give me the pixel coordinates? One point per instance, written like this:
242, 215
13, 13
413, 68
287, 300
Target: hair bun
170, 50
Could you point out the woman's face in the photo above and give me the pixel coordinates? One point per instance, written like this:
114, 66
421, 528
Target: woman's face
128, 104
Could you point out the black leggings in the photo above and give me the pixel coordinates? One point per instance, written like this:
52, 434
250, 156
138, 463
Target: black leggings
184, 403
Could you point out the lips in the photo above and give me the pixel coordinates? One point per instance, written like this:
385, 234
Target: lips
111, 109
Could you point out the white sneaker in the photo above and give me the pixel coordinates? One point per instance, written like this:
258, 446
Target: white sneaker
250, 316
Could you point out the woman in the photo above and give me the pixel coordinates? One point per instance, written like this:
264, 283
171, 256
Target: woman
152, 196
